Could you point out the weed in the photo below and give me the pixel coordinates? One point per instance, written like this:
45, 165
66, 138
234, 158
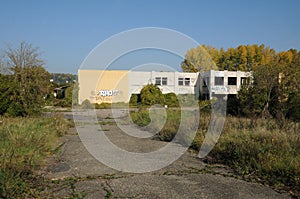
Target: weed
267, 150
25, 142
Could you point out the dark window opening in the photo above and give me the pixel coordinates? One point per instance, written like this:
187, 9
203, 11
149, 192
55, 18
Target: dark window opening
157, 81
164, 81
205, 97
187, 81
219, 81
244, 80
180, 81
232, 80
161, 81
184, 81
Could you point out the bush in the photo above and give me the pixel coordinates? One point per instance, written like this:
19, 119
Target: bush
141, 117
15, 109
151, 95
171, 100
294, 110
103, 106
5, 90
135, 99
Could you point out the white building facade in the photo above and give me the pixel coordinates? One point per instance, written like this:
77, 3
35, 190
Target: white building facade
222, 82
118, 86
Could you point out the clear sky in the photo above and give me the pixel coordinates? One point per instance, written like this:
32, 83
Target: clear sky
66, 31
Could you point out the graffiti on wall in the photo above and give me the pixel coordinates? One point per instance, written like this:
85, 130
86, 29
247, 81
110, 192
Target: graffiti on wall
107, 93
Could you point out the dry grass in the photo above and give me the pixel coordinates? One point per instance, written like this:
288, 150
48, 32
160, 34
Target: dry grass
262, 149
24, 144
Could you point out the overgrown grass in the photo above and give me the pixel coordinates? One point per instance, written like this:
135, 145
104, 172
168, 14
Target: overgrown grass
266, 151
262, 150
24, 144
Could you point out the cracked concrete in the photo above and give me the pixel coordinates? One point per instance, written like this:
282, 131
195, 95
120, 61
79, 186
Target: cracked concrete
75, 173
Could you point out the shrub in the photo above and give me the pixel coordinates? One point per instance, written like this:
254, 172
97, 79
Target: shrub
140, 117
15, 109
171, 100
5, 90
102, 105
151, 95
135, 99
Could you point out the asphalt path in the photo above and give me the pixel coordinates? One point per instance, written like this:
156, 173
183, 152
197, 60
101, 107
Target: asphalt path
75, 173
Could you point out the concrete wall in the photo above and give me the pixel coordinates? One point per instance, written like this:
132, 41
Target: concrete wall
117, 85
213, 88
103, 86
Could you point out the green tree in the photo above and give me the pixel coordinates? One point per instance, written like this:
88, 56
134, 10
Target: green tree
5, 92
151, 95
258, 97
29, 81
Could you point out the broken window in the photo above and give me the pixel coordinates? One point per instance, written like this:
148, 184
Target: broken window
244, 80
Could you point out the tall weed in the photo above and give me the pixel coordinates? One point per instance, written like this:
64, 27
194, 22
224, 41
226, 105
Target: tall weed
24, 144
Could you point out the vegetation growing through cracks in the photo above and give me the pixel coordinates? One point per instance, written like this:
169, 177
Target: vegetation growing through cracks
260, 139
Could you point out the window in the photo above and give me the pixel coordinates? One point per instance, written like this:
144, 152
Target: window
164, 81
231, 80
187, 81
161, 81
180, 81
157, 81
219, 81
184, 81
244, 80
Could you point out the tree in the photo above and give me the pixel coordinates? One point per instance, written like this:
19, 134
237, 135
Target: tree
289, 87
5, 92
29, 80
258, 96
198, 59
244, 58
151, 95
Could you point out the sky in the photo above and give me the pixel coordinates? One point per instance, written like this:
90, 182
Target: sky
66, 31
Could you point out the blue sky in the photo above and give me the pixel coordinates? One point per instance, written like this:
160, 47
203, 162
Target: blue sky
66, 31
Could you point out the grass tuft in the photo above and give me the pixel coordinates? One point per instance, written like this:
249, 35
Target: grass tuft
24, 144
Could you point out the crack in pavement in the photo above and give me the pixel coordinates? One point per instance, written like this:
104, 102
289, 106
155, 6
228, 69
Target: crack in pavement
75, 173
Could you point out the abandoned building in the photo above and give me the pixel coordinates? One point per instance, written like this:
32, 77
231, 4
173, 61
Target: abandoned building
109, 86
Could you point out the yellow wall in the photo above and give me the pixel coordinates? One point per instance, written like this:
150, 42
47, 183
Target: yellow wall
100, 86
